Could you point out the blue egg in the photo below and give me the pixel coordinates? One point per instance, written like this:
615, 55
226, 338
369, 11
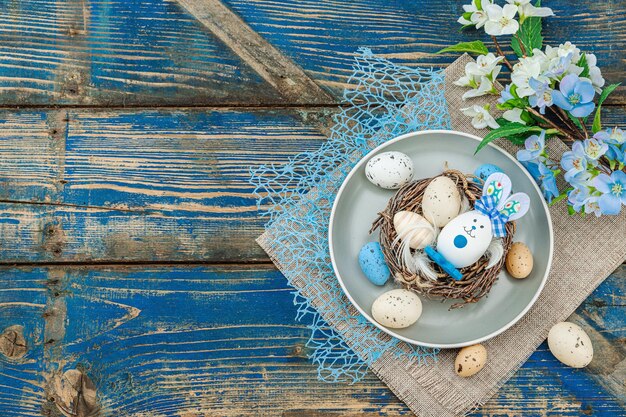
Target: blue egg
485, 170
373, 265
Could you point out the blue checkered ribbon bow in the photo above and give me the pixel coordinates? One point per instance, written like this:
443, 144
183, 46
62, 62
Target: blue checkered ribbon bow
488, 205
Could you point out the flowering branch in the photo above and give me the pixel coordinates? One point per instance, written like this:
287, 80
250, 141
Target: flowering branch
562, 80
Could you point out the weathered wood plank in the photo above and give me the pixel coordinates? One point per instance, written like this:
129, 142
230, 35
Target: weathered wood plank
322, 36
275, 68
152, 52
145, 185
117, 52
186, 341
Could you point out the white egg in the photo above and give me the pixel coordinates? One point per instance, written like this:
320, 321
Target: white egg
570, 344
397, 308
390, 170
414, 228
441, 201
465, 239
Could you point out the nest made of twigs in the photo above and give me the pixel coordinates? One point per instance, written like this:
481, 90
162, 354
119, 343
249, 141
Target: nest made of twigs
477, 280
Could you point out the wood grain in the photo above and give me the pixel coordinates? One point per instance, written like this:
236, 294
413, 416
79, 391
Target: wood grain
323, 35
153, 53
275, 68
117, 52
221, 340
142, 186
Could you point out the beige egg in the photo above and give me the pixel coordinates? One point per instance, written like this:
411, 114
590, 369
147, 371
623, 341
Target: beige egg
397, 308
570, 344
470, 360
519, 261
414, 228
441, 201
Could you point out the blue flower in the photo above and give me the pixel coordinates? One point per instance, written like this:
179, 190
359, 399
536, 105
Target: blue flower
543, 95
581, 180
505, 95
574, 161
544, 176
594, 148
535, 146
575, 96
613, 189
548, 182
558, 68
615, 136
577, 198
616, 140
592, 206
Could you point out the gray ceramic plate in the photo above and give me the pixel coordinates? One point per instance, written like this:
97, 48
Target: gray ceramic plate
358, 202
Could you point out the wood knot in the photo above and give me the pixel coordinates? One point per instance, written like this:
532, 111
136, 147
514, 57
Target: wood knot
74, 394
12, 342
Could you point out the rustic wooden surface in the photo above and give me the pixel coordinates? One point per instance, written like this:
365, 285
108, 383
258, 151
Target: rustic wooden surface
131, 284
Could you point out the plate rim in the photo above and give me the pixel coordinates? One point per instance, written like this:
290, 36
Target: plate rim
391, 332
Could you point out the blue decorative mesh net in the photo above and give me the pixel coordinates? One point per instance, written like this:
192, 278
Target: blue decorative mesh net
384, 101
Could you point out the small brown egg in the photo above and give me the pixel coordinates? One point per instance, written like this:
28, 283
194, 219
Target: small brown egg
519, 261
470, 360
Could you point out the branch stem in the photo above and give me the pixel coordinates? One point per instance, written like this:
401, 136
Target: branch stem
582, 123
505, 60
573, 130
521, 45
550, 123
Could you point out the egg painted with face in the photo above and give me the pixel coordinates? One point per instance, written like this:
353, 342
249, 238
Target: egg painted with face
465, 239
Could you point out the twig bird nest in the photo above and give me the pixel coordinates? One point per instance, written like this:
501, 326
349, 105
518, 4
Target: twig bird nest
477, 278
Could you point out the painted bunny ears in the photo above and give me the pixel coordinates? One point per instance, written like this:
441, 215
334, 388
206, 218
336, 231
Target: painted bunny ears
498, 205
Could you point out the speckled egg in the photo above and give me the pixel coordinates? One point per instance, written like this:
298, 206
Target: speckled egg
390, 170
485, 170
570, 344
373, 265
441, 201
519, 261
414, 228
397, 308
470, 360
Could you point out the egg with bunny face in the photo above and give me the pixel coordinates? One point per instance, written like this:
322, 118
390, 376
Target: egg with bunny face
465, 239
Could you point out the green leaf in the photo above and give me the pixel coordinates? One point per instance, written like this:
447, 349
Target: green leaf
474, 47
530, 34
597, 125
508, 131
584, 65
559, 198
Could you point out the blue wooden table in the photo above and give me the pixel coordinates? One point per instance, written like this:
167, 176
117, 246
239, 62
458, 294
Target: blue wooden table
130, 283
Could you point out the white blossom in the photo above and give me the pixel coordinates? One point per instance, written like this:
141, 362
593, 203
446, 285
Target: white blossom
567, 48
479, 75
501, 20
595, 75
480, 117
486, 65
523, 71
514, 115
478, 16
485, 87
526, 9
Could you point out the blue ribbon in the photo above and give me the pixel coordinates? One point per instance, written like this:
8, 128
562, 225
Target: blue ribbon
488, 206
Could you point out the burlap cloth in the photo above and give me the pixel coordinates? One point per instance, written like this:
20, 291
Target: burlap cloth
586, 251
